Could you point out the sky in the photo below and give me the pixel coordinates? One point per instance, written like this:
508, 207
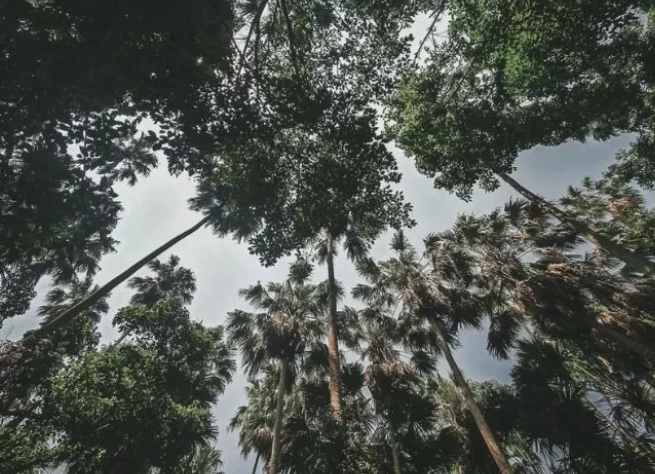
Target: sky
156, 209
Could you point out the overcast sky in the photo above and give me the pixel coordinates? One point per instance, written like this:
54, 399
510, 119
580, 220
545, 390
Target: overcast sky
156, 210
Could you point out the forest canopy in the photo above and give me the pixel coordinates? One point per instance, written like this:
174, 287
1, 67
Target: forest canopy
290, 118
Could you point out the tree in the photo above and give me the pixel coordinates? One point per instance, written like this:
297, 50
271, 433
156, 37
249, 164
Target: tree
170, 282
329, 177
458, 439
592, 433
556, 292
611, 247
255, 421
141, 405
280, 333
617, 210
145, 404
437, 301
204, 460
509, 78
69, 119
494, 90
390, 379
104, 290
356, 243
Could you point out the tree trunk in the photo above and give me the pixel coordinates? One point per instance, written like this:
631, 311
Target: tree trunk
474, 409
395, 454
279, 411
612, 248
333, 343
254, 468
104, 290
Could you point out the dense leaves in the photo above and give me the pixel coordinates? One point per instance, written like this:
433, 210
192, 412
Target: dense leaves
138, 404
512, 76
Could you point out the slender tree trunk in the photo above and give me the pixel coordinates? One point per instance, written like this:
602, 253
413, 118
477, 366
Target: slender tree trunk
279, 412
615, 250
395, 454
104, 290
474, 409
333, 343
254, 468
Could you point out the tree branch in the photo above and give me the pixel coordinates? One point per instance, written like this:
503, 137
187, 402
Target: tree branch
437, 15
253, 26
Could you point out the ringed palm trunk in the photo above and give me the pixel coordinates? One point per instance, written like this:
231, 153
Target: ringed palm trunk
333, 343
615, 250
279, 412
104, 290
474, 409
395, 454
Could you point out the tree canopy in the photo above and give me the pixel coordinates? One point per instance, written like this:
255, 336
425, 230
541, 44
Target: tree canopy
285, 114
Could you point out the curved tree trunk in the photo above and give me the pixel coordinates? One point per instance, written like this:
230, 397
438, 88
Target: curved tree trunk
615, 250
104, 290
254, 468
474, 409
395, 454
333, 343
279, 412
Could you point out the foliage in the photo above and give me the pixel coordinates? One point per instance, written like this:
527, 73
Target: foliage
274, 108
138, 405
512, 76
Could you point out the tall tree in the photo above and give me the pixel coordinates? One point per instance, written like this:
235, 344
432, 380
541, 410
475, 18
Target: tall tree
161, 388
554, 291
65, 316
492, 91
255, 420
391, 377
356, 243
438, 302
141, 405
279, 333
617, 210
596, 428
70, 119
508, 78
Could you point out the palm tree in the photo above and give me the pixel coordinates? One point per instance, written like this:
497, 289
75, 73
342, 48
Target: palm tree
170, 282
461, 447
617, 210
356, 244
391, 377
279, 333
254, 420
103, 291
530, 277
612, 248
581, 415
441, 300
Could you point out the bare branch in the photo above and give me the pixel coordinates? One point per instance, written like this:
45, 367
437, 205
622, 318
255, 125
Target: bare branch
437, 15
